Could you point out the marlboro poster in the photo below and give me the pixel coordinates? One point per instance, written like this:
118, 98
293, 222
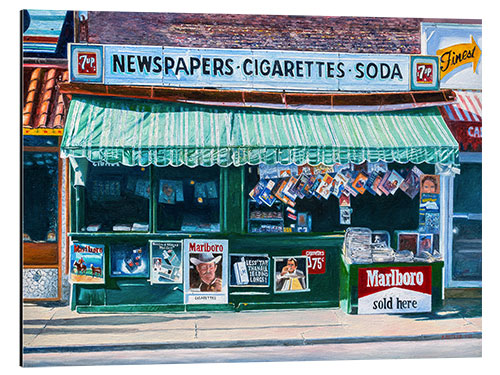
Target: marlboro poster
205, 271
394, 290
166, 262
87, 263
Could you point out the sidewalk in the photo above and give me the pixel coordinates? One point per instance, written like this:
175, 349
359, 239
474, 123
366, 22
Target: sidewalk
52, 328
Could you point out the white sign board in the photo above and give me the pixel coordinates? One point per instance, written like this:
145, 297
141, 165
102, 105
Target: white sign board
238, 69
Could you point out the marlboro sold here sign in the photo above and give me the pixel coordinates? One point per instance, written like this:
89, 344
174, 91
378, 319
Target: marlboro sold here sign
394, 290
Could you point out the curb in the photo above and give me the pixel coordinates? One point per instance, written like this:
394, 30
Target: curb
246, 343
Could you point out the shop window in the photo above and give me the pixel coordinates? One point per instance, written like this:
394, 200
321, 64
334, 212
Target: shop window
116, 199
467, 224
37, 141
40, 178
390, 212
188, 199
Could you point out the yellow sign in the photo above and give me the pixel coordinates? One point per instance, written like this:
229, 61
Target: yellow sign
43, 131
454, 56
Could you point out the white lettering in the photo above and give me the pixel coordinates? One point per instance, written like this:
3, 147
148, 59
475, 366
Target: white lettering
393, 278
372, 278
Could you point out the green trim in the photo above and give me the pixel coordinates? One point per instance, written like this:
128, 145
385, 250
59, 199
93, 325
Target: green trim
153, 203
242, 199
152, 308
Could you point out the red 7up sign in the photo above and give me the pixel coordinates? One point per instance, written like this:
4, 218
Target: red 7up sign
87, 63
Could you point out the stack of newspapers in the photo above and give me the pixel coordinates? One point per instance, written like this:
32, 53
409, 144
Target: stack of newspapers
403, 256
382, 253
357, 245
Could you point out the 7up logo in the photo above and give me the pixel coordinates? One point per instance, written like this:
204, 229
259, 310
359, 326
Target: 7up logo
87, 63
424, 73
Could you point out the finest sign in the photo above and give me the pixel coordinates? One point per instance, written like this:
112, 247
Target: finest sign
394, 290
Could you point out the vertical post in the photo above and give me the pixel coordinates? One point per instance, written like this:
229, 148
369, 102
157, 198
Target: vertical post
153, 181
446, 224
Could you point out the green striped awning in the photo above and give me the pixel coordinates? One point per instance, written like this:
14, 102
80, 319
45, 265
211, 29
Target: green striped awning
134, 132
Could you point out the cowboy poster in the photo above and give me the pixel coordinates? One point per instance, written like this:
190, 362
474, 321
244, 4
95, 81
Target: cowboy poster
87, 263
205, 271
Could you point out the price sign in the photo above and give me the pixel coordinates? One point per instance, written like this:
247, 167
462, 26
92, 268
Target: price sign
316, 261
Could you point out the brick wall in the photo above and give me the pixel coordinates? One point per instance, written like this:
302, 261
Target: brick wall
307, 33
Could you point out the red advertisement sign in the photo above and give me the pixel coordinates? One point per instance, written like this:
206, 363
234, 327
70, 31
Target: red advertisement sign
87, 63
316, 261
424, 73
394, 290
468, 135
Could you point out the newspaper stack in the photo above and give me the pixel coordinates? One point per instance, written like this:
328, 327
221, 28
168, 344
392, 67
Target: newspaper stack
427, 257
357, 245
437, 256
424, 256
382, 253
403, 256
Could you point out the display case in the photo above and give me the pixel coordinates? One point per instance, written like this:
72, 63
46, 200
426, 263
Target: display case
265, 219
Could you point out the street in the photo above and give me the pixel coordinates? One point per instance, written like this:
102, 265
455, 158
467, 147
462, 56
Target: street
451, 348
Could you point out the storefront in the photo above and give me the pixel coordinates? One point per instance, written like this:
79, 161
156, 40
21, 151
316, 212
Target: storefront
464, 119
44, 244
238, 196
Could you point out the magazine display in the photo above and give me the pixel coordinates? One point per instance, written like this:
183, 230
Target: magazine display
142, 188
345, 215
411, 184
429, 213
324, 186
288, 183
359, 182
393, 182
167, 192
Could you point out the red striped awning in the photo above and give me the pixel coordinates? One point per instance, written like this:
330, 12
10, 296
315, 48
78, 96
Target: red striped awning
468, 107
464, 119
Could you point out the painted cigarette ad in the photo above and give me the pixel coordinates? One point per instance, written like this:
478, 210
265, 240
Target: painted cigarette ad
394, 290
205, 271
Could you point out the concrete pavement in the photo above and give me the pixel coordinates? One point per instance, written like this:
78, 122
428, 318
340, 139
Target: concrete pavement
52, 328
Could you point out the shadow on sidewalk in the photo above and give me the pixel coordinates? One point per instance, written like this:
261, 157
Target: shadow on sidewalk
109, 320
452, 309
